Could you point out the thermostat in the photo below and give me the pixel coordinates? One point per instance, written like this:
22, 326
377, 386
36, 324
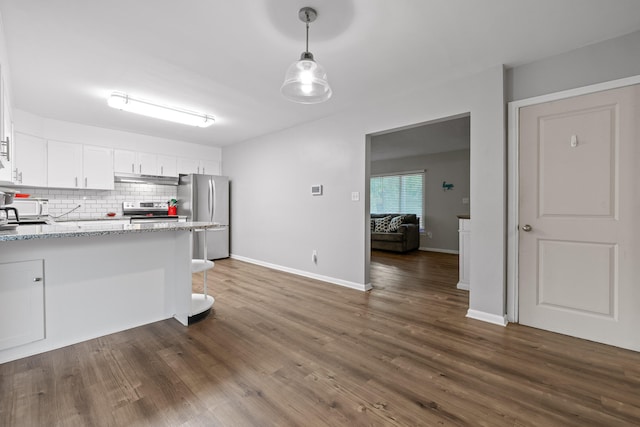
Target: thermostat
316, 190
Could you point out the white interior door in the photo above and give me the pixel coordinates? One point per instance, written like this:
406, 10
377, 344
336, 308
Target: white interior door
579, 197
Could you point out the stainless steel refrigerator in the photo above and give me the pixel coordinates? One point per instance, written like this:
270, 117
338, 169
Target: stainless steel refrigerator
206, 198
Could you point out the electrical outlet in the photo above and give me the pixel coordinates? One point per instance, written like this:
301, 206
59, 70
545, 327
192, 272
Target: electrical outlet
430, 234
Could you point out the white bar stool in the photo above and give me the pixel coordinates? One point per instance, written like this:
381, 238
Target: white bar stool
201, 303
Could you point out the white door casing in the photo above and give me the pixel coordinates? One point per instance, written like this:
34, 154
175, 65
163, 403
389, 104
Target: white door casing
578, 192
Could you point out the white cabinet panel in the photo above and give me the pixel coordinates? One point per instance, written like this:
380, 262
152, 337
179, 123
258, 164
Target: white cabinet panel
187, 166
167, 165
464, 250
147, 164
21, 303
98, 167
204, 167
124, 161
65, 164
6, 136
72, 165
209, 167
30, 160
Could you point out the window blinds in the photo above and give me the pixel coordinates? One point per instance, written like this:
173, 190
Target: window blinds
398, 194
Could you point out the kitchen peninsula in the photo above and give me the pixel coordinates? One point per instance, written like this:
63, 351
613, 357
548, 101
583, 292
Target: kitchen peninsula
63, 284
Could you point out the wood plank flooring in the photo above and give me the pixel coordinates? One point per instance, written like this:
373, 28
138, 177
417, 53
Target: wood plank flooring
283, 350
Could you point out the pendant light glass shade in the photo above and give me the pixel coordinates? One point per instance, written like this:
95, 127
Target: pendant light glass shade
305, 81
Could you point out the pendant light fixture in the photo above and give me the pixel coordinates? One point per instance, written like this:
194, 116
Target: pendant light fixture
306, 81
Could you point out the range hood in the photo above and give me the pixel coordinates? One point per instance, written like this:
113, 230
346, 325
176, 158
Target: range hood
146, 179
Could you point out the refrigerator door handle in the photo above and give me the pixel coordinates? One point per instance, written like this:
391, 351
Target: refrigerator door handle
213, 198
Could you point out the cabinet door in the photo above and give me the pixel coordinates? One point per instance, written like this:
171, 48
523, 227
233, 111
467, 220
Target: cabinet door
187, 166
147, 164
64, 164
98, 167
6, 137
209, 168
30, 160
21, 303
167, 165
124, 161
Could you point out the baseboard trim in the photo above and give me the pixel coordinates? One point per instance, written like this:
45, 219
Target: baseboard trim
332, 280
487, 317
444, 251
463, 286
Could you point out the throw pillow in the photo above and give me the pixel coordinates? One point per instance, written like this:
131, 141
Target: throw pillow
382, 224
373, 225
395, 222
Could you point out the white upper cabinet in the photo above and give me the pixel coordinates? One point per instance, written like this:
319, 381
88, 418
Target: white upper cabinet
167, 165
147, 164
124, 161
98, 167
209, 168
141, 163
74, 165
30, 160
205, 167
6, 136
65, 164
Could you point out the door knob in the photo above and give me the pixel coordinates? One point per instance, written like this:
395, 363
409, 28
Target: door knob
526, 228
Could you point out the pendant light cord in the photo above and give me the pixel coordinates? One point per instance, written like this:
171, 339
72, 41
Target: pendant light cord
307, 32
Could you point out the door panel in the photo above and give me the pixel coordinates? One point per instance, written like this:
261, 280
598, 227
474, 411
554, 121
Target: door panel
578, 193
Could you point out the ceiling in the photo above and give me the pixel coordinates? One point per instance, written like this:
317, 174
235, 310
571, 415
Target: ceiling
228, 58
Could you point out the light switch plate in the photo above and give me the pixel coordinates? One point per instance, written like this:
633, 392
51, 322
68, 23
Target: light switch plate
355, 196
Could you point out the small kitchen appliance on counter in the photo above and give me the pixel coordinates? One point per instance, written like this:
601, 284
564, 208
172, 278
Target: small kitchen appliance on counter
31, 211
145, 212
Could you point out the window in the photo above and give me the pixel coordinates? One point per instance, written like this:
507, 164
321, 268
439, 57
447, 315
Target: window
398, 194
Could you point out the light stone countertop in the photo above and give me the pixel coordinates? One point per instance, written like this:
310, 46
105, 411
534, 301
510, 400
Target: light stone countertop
57, 230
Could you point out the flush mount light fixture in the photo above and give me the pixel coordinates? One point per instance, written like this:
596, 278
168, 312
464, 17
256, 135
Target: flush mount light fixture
125, 102
306, 81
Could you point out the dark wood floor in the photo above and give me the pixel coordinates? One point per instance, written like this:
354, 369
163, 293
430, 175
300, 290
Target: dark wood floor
289, 351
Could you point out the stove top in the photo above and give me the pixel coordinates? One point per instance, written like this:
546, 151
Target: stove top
146, 209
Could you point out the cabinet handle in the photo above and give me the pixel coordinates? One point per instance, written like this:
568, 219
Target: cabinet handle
19, 177
133, 168
37, 279
198, 169
5, 151
140, 167
86, 182
76, 181
161, 170
15, 176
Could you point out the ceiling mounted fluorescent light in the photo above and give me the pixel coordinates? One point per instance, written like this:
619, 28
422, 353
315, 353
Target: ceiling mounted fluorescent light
306, 81
122, 101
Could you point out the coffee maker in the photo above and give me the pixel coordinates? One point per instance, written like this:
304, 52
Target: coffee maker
6, 198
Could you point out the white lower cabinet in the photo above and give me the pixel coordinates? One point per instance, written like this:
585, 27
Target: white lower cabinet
21, 303
464, 235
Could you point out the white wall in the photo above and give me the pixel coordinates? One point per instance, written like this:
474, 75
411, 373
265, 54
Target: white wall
608, 60
441, 207
58, 130
276, 220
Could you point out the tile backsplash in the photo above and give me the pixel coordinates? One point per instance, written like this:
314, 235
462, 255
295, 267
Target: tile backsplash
96, 203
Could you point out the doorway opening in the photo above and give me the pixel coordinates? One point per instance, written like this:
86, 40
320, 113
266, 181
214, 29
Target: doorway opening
429, 161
